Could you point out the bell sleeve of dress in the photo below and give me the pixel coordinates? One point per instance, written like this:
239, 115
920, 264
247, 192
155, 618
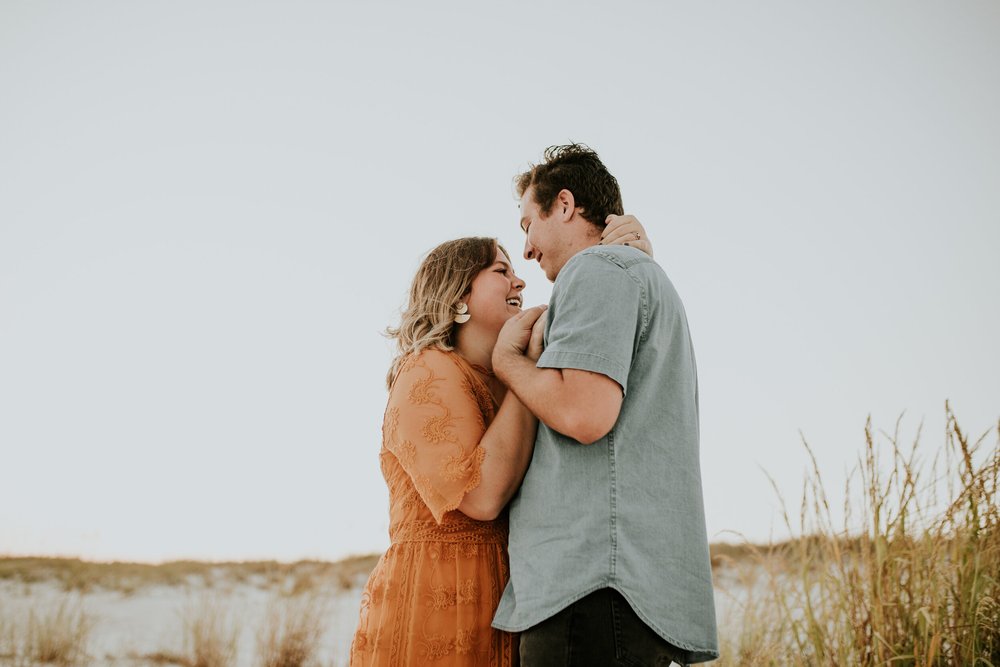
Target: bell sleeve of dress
434, 426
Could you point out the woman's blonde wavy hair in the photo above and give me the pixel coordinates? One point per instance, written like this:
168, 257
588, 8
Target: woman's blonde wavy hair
443, 279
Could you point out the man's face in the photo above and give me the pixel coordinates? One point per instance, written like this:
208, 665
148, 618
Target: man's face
540, 235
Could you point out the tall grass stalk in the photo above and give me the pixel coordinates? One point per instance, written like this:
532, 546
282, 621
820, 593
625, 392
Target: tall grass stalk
8, 647
917, 585
291, 632
59, 636
211, 636
56, 635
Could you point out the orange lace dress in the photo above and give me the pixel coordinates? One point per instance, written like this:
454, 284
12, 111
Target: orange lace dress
431, 598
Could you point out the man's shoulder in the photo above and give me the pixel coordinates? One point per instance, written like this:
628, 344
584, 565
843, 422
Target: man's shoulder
621, 256
600, 258
614, 272
598, 271
600, 262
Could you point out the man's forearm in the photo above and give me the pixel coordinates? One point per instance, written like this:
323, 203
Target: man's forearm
541, 390
581, 404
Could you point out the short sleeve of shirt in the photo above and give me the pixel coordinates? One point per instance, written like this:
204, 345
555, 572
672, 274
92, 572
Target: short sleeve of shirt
595, 318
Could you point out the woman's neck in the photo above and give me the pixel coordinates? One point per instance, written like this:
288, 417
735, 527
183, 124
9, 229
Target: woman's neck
476, 347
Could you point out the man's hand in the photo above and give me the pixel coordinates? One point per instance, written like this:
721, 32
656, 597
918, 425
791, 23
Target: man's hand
516, 334
626, 230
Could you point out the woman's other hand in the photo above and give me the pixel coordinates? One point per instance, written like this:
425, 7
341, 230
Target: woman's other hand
535, 343
626, 230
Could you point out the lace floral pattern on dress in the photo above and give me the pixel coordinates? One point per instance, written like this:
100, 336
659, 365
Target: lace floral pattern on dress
434, 430
431, 598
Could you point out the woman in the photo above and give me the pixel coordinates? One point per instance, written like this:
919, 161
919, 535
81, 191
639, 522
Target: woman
455, 446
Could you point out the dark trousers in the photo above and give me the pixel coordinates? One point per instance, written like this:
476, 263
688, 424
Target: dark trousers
599, 630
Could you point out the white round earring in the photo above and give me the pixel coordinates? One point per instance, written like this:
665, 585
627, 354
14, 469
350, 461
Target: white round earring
463, 313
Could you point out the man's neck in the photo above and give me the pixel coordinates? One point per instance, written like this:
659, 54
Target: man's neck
584, 237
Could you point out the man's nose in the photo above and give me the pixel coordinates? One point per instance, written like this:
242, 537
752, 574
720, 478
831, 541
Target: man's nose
529, 250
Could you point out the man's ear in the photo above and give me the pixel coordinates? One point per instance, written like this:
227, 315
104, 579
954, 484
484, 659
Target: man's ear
565, 205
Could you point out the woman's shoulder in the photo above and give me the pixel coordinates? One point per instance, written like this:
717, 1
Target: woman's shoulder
434, 376
431, 363
433, 357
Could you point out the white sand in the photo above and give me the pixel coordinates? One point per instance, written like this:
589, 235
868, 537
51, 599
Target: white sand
127, 627
150, 620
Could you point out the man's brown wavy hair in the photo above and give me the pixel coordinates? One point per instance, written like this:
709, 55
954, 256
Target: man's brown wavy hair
577, 168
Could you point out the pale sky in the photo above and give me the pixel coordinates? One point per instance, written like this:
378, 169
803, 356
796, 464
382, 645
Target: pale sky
209, 211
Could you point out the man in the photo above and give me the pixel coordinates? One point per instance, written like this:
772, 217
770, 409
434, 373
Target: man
609, 560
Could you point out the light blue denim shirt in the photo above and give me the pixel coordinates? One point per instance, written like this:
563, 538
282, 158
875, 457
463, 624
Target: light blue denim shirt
625, 512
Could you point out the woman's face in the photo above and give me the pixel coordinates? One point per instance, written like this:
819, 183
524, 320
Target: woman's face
495, 295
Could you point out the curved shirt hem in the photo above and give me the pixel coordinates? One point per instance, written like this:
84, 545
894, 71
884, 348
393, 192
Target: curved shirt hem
697, 653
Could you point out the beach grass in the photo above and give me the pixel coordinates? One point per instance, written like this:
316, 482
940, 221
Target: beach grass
909, 576
77, 575
53, 634
291, 633
211, 635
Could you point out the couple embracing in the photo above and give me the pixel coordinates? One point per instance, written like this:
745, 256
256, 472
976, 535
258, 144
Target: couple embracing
544, 480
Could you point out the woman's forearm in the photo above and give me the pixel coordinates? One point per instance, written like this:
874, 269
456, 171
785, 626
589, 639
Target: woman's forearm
508, 443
